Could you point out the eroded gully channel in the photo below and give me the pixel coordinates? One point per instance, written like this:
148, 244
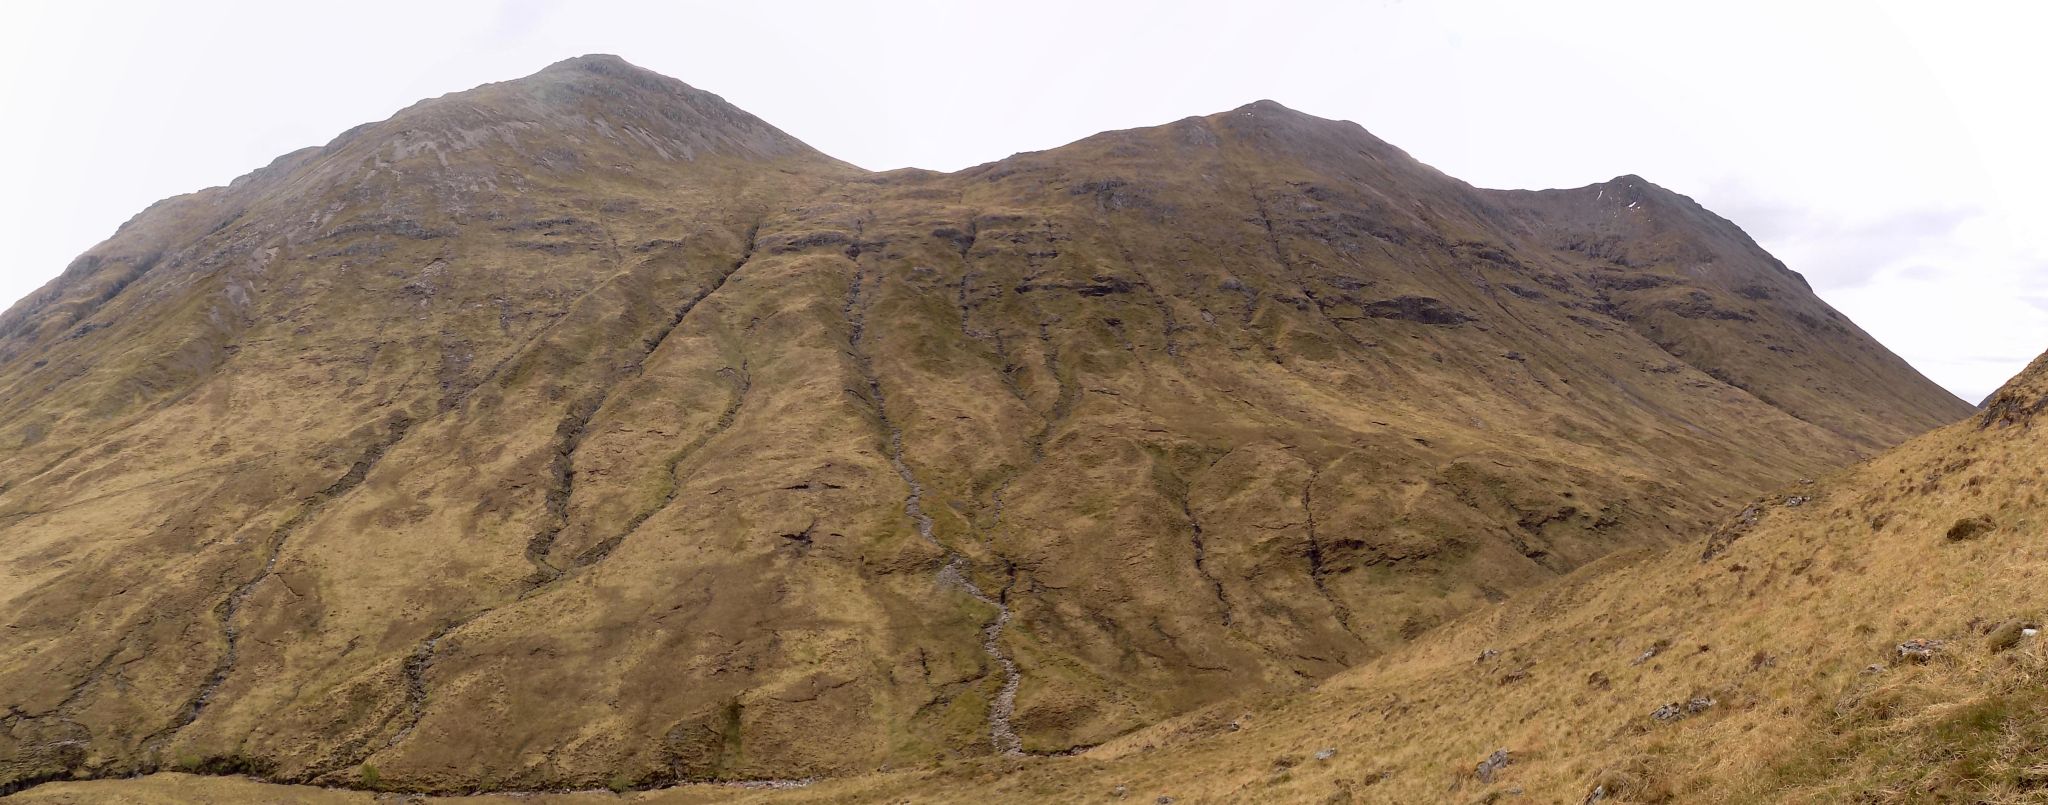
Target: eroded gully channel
1002, 734
569, 436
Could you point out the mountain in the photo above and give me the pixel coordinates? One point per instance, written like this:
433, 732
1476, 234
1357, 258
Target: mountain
585, 430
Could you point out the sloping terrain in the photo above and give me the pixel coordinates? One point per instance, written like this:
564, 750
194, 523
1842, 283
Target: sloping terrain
1679, 274
584, 430
1870, 637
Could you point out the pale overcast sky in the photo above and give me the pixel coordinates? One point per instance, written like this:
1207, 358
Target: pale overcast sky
1891, 152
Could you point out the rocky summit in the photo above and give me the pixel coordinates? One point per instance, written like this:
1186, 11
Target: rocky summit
586, 431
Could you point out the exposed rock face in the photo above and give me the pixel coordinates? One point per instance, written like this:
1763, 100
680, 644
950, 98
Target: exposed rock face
2018, 402
585, 428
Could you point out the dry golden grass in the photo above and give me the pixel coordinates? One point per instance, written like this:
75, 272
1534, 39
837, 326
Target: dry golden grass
1792, 632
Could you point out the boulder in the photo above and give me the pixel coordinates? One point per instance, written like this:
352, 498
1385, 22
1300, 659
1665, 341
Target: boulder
1918, 650
1493, 764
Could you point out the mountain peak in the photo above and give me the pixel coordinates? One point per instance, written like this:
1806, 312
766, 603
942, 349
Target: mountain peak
1282, 129
595, 62
611, 66
1267, 112
1269, 105
590, 98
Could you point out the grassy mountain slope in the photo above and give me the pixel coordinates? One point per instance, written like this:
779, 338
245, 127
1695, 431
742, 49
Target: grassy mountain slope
1871, 637
583, 430
1865, 638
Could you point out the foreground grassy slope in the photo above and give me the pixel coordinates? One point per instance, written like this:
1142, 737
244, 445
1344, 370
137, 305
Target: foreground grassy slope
584, 430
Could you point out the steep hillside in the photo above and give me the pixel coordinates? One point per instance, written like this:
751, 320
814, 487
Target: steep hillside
586, 430
1678, 273
1872, 637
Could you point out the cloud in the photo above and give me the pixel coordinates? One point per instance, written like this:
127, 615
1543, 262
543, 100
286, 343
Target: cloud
1943, 284
1920, 273
2038, 300
1846, 250
1969, 321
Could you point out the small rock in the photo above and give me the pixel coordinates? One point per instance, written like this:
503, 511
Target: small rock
1654, 649
1675, 711
1599, 793
1493, 764
1796, 501
1918, 650
1326, 753
1163, 800
2007, 635
1120, 791
1489, 654
1873, 668
1806, 482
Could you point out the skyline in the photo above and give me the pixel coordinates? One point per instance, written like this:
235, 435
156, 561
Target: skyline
1873, 152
